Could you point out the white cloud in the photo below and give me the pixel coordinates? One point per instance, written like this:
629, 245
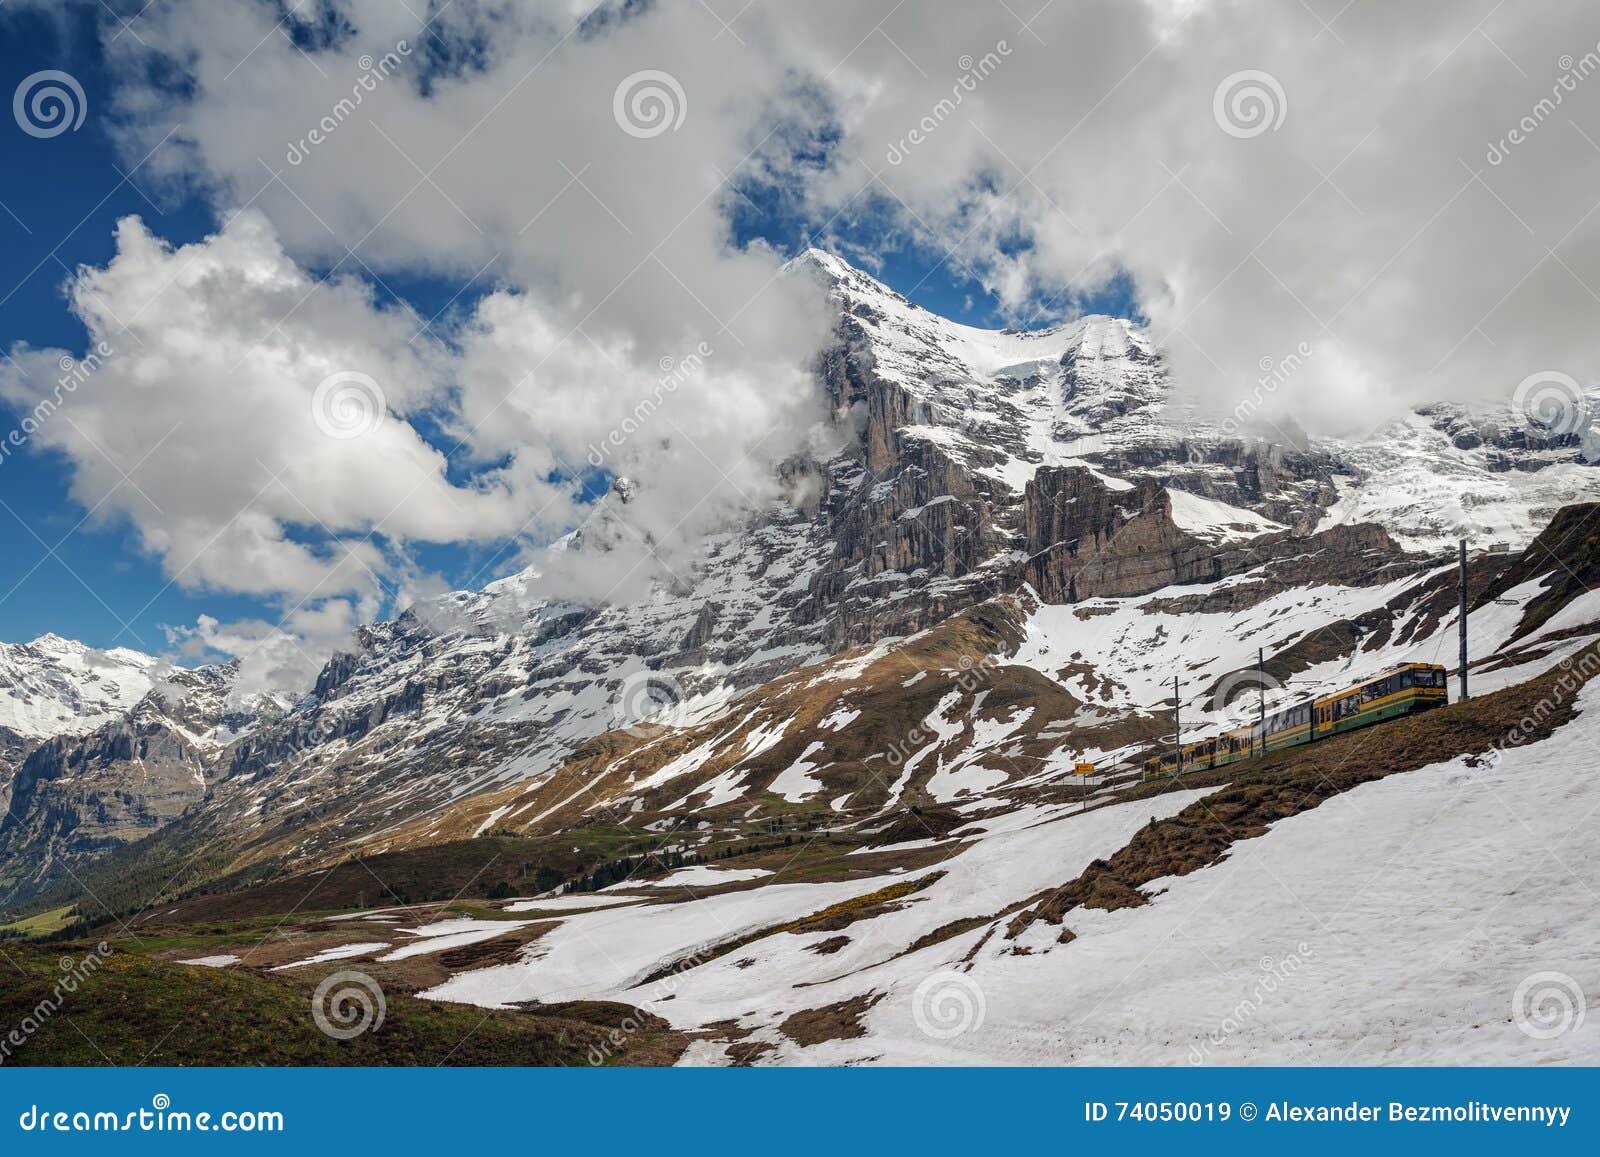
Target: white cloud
488, 150
1369, 222
202, 425
1366, 221
282, 657
1363, 220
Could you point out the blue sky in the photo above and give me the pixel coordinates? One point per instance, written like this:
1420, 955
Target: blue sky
79, 575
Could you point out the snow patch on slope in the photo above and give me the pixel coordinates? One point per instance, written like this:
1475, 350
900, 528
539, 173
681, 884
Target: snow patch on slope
1217, 522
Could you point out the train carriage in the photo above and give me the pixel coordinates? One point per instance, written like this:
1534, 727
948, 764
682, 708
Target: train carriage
1404, 690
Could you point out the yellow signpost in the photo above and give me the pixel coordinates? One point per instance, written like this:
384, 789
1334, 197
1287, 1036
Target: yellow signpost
1085, 770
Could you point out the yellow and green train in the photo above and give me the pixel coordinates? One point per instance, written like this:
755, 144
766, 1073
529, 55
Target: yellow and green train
1404, 690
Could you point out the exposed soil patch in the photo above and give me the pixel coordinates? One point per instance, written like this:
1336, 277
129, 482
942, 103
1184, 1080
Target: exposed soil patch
948, 932
500, 950
1547, 645
841, 1021
921, 824
868, 907
462, 870
749, 1052
829, 946
134, 1010
416, 973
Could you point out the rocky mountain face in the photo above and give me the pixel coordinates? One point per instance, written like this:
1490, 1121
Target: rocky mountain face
77, 796
55, 686
1049, 468
988, 712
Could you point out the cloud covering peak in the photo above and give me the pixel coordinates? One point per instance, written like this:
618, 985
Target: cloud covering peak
1406, 190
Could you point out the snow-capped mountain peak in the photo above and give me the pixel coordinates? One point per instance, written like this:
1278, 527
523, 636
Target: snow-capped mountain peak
56, 686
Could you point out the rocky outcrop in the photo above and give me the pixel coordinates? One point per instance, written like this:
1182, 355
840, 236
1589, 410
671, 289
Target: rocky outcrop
1512, 441
14, 749
1566, 556
76, 797
1086, 539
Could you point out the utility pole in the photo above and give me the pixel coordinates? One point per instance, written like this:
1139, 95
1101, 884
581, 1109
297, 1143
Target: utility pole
1261, 687
1177, 729
1463, 619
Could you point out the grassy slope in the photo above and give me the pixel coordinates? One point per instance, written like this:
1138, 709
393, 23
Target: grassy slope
40, 924
134, 1010
458, 869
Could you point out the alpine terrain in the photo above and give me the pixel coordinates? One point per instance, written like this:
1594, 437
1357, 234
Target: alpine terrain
821, 798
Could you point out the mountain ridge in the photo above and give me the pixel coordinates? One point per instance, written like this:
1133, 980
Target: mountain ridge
973, 464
